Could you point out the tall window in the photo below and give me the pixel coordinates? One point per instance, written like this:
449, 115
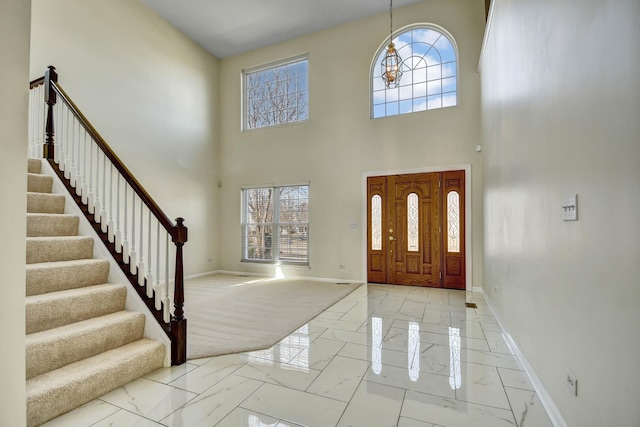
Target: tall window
275, 224
276, 94
429, 79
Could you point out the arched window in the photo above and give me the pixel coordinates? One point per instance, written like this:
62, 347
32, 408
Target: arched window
429, 80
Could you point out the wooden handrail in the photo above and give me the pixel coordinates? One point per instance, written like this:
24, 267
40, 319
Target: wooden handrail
177, 327
37, 82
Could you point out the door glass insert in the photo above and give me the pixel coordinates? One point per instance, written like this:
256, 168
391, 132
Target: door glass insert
453, 221
376, 223
412, 222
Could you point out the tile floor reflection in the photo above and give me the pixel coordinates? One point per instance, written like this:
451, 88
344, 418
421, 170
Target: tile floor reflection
382, 356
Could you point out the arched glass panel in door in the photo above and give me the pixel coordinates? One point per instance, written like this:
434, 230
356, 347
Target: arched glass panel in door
453, 221
376, 223
413, 220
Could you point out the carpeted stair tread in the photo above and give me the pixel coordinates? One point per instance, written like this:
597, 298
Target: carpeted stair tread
58, 248
56, 276
45, 224
34, 165
55, 348
45, 203
37, 183
54, 393
55, 309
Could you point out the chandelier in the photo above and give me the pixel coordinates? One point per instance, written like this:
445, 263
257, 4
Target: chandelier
391, 63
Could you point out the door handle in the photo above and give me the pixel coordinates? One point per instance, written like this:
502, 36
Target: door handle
391, 238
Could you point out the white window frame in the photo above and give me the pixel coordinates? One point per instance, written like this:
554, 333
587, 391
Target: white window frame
275, 224
268, 67
375, 67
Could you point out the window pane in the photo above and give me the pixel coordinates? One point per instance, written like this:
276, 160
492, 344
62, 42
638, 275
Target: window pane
449, 99
406, 92
294, 244
434, 87
275, 224
420, 90
429, 68
412, 222
449, 84
392, 108
420, 104
274, 95
419, 75
453, 221
434, 101
449, 69
376, 223
434, 72
258, 242
406, 106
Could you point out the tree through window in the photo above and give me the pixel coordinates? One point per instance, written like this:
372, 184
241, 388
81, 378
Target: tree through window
277, 94
429, 79
275, 224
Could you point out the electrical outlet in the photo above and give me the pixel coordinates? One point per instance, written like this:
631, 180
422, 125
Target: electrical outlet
572, 383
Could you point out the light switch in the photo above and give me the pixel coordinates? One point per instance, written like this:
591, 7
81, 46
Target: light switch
570, 208
353, 224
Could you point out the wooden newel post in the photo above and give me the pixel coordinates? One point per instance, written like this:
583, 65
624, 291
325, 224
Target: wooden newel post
50, 97
178, 322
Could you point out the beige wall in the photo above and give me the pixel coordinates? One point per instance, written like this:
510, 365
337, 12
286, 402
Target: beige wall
151, 92
561, 97
340, 143
14, 75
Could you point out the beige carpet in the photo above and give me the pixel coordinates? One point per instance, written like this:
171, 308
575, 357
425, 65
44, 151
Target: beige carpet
231, 314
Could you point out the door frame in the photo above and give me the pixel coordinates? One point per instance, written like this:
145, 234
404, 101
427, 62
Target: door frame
467, 213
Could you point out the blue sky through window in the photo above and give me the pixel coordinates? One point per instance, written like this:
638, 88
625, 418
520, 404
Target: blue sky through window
429, 78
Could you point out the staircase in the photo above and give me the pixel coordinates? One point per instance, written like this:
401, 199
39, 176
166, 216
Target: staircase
80, 343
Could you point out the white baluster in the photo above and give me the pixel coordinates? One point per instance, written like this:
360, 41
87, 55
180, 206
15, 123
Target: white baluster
65, 142
96, 205
125, 244
111, 231
158, 287
72, 133
103, 212
79, 177
150, 260
118, 235
90, 198
167, 300
132, 254
57, 152
85, 169
141, 258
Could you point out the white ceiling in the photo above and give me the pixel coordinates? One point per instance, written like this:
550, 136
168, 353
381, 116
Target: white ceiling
229, 27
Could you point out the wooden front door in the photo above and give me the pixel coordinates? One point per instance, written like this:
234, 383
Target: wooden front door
416, 229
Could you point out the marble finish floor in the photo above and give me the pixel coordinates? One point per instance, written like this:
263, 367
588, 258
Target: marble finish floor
382, 356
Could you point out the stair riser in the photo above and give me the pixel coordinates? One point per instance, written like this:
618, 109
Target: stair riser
48, 351
39, 183
42, 315
44, 278
63, 249
57, 392
45, 203
34, 165
52, 225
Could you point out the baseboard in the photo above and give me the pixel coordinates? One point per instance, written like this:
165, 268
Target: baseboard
545, 398
195, 276
319, 279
